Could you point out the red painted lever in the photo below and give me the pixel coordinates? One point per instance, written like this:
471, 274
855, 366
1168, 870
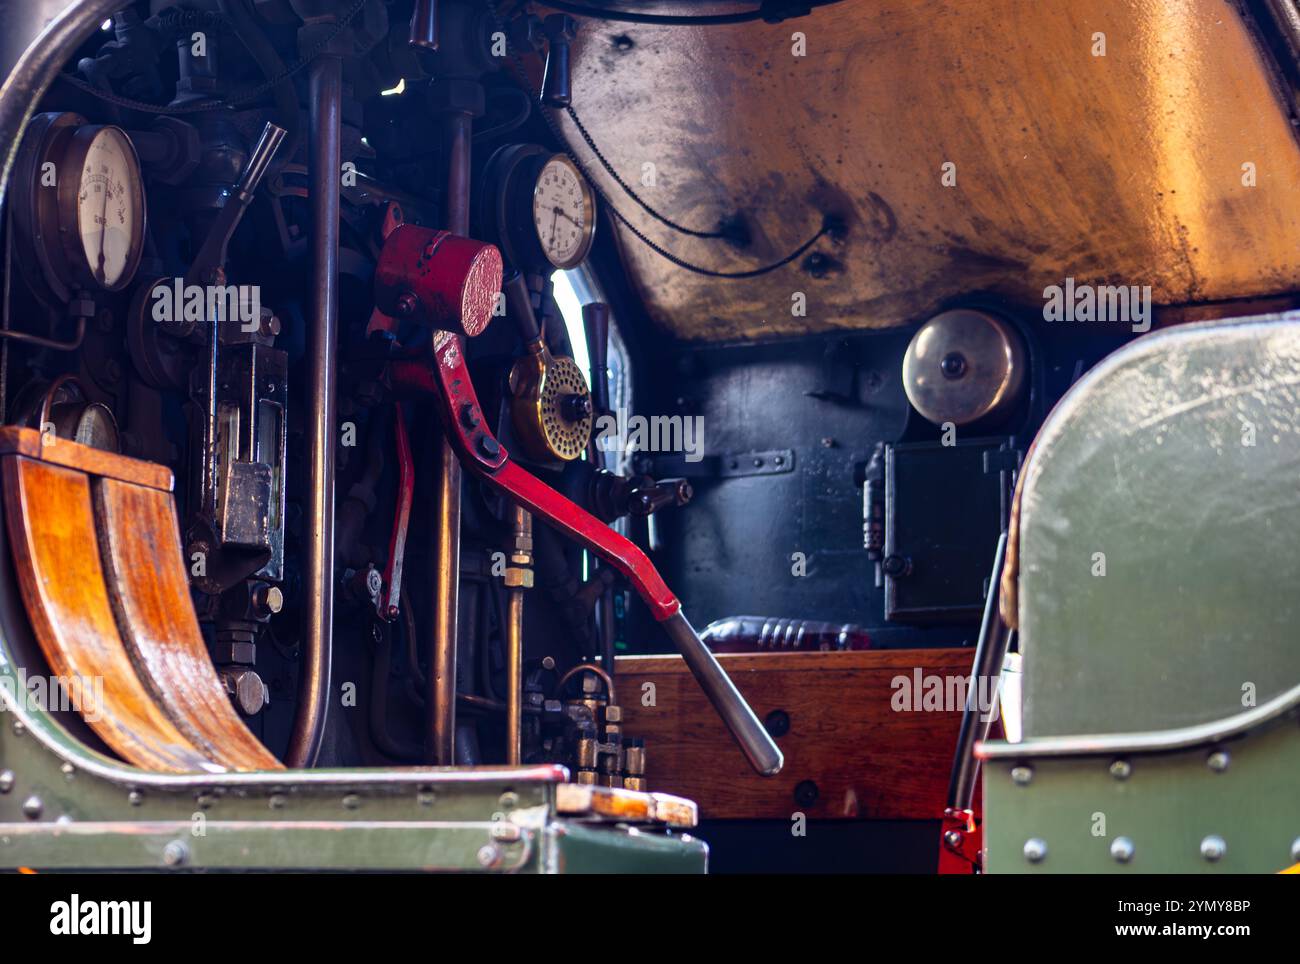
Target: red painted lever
447, 379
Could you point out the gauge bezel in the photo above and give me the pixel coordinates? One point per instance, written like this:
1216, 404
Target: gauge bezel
588, 203
36, 216
69, 168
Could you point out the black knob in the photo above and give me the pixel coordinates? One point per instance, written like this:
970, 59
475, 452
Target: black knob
574, 408
557, 83
595, 317
953, 365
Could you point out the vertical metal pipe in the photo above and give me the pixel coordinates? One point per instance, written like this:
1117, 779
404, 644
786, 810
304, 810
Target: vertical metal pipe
326, 99
521, 550
424, 25
458, 131
990, 652
441, 702
595, 323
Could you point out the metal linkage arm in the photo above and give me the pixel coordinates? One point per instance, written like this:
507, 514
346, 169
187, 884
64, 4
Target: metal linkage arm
448, 380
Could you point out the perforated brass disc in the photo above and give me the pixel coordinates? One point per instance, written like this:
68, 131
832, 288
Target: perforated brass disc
565, 439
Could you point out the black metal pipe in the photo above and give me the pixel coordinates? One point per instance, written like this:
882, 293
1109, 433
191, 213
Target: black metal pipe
458, 132
326, 87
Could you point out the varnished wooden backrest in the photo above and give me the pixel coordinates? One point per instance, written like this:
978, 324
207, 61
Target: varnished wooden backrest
96, 548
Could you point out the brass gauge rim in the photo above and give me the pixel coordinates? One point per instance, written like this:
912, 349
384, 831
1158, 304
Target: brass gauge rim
540, 383
589, 204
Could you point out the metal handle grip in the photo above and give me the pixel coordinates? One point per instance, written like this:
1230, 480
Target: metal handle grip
756, 743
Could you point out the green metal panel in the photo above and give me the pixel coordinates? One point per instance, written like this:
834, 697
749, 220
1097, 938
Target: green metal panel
64, 806
588, 849
1176, 464
1157, 612
1166, 806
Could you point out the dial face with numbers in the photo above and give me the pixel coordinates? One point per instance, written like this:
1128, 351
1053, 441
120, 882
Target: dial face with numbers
110, 208
564, 212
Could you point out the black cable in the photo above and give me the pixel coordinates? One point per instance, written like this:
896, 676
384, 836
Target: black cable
627, 188
591, 143
828, 226
515, 122
234, 101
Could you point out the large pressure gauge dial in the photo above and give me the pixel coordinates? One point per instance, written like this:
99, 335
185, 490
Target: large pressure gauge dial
106, 205
564, 212
85, 210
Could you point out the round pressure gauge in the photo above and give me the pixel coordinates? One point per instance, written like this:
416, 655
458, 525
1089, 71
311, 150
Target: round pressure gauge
537, 207
564, 212
85, 213
101, 216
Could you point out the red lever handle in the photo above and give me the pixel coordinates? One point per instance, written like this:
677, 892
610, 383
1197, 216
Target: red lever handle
448, 380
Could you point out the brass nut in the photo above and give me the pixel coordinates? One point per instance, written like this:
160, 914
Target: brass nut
519, 578
613, 714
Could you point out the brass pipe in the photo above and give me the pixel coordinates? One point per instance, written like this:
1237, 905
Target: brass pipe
515, 677
441, 704
520, 564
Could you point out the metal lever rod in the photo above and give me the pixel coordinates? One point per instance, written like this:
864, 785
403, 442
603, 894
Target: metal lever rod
483, 454
990, 652
212, 255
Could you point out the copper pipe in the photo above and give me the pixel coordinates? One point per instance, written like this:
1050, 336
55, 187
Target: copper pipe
326, 99
522, 557
441, 704
605, 677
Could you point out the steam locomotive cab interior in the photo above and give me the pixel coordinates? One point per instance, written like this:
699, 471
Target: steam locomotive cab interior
585, 407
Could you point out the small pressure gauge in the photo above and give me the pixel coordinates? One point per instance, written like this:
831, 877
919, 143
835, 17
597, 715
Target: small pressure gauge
564, 212
537, 207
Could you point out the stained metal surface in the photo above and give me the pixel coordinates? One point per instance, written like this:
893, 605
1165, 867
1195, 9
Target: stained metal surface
1127, 167
1156, 555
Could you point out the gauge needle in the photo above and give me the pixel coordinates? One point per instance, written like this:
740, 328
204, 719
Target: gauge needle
555, 220
103, 234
